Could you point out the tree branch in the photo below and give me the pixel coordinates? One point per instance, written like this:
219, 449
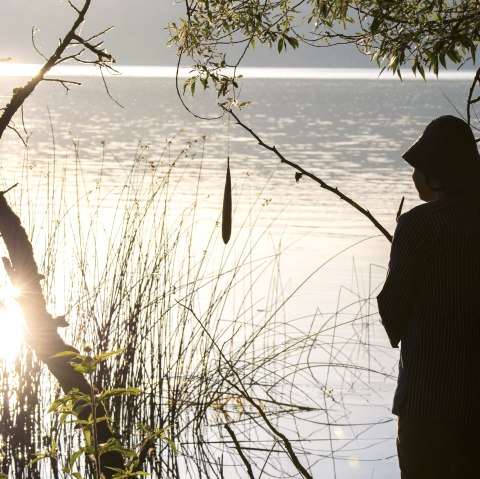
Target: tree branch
471, 101
72, 38
301, 171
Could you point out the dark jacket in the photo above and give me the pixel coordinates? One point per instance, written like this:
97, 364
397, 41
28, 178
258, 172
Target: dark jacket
431, 304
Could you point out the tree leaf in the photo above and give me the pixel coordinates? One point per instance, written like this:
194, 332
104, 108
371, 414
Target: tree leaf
280, 45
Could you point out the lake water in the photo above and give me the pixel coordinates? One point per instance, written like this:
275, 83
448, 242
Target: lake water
347, 130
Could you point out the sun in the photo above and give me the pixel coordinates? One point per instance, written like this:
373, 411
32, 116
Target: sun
11, 327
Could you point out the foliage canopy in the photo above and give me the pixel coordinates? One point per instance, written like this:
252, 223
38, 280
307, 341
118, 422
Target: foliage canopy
419, 34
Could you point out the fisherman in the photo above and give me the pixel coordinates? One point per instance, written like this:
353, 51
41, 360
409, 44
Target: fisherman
430, 303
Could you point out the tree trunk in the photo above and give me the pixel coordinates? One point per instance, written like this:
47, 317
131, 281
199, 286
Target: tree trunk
41, 328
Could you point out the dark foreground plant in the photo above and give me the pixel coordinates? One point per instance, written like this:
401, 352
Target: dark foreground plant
70, 409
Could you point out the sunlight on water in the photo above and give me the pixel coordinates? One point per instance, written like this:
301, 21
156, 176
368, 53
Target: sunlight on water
157, 71
354, 462
11, 324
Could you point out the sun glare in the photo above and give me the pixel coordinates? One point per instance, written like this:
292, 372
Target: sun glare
11, 325
10, 69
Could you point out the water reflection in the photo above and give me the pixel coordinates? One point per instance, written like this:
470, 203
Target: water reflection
11, 325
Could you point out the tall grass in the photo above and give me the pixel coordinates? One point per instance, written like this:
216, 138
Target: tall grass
245, 388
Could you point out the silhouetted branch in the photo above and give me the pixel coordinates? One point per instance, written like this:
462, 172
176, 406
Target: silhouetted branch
10, 127
471, 101
400, 207
72, 38
64, 83
301, 171
34, 43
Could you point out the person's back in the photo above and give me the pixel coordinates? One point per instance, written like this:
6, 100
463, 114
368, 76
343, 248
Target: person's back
432, 304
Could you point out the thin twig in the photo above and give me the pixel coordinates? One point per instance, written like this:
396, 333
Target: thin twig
399, 212
470, 94
10, 127
180, 96
64, 83
8, 189
107, 89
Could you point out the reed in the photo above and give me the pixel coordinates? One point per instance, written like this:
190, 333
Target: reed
244, 388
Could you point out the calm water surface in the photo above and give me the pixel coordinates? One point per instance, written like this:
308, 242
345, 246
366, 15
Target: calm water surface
349, 132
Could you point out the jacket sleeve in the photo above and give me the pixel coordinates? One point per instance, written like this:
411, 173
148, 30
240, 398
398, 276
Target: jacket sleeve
408, 257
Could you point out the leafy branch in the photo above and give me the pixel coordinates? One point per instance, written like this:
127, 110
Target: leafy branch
423, 36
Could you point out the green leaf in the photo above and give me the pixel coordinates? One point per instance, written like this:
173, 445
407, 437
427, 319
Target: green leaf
56, 404
74, 457
108, 354
83, 368
171, 444
66, 353
293, 42
280, 45
53, 447
374, 25
421, 71
120, 392
38, 457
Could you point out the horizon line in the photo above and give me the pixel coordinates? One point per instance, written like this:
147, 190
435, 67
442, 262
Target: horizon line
8, 69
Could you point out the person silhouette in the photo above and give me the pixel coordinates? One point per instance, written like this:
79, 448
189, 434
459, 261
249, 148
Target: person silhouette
430, 304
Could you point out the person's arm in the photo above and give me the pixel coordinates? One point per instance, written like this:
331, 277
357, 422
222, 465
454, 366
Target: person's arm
410, 247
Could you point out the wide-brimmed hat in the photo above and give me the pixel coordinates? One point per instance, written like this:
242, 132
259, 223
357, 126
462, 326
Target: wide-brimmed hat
445, 151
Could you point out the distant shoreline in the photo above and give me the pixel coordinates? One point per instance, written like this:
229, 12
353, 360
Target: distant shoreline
130, 71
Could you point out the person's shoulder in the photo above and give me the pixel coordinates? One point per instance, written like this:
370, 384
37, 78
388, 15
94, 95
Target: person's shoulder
423, 216
417, 213
433, 208
431, 215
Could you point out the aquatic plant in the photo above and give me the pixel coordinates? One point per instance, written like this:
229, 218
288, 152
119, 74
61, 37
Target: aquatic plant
245, 385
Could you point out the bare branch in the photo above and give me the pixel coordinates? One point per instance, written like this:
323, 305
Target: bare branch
72, 38
239, 449
239, 386
10, 127
8, 189
34, 30
64, 83
98, 50
318, 180
74, 7
107, 89
470, 102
